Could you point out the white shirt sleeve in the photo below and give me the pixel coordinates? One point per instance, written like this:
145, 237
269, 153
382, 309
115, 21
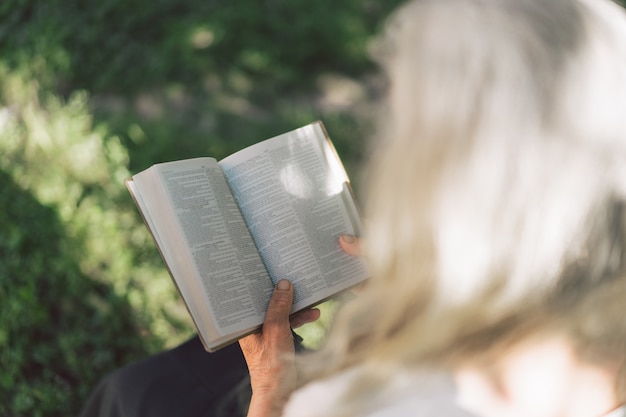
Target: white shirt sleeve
618, 412
406, 394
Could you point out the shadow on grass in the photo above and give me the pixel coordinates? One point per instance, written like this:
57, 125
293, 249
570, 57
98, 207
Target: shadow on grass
62, 330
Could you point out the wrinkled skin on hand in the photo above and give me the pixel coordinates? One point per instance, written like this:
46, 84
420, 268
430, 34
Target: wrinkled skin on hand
270, 354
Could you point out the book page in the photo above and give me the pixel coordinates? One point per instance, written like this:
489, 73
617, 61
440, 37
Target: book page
296, 199
215, 248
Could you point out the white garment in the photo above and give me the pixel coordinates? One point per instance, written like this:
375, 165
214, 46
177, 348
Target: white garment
618, 412
407, 394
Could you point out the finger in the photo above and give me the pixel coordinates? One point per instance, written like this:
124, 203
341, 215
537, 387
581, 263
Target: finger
304, 317
280, 303
350, 245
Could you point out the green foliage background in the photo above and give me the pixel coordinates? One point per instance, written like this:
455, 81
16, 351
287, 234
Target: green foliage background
92, 92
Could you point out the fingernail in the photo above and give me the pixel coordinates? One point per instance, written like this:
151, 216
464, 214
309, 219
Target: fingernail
283, 284
348, 238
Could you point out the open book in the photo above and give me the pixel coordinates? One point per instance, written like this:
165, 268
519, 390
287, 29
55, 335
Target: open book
228, 231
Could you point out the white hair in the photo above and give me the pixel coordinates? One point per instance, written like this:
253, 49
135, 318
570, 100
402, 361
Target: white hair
496, 191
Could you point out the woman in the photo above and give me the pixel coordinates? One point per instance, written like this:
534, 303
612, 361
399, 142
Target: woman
496, 225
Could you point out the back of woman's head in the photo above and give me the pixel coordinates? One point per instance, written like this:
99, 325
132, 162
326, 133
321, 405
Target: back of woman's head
495, 207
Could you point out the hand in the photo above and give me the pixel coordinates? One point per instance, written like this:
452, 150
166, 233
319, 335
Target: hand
270, 353
350, 245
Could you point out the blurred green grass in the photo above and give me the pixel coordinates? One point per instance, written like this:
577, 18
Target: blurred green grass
89, 95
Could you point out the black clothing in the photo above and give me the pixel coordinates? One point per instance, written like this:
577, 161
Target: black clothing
186, 381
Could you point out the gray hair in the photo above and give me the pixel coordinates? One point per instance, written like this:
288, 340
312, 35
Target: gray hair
495, 199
